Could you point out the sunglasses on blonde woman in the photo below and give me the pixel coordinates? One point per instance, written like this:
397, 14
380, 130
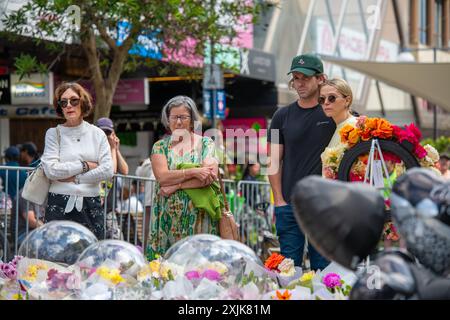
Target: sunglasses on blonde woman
331, 99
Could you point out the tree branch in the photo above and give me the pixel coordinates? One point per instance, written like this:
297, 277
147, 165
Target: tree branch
104, 35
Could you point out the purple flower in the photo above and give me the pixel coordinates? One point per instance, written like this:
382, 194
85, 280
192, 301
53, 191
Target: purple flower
16, 260
332, 280
12, 274
192, 275
212, 275
73, 282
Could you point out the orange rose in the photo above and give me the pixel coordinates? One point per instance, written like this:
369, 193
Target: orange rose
366, 135
371, 124
384, 129
273, 261
344, 132
353, 137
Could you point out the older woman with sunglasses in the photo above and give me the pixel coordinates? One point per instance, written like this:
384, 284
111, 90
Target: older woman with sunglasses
76, 158
174, 215
336, 98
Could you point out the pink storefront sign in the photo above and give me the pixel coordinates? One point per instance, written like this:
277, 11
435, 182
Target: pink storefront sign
128, 91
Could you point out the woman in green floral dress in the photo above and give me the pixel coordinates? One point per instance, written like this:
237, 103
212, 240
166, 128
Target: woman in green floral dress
173, 215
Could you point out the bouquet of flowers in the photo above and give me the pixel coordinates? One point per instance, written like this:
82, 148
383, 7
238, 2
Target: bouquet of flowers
10, 289
333, 283
283, 268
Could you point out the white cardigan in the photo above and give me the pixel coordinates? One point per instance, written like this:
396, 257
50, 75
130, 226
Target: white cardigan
60, 161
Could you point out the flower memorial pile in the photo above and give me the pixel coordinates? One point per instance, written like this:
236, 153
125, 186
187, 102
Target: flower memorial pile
199, 267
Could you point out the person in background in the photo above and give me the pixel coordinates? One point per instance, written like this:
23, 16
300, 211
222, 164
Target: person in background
174, 215
336, 97
251, 172
16, 178
29, 156
298, 135
120, 166
145, 170
77, 157
27, 217
251, 191
444, 164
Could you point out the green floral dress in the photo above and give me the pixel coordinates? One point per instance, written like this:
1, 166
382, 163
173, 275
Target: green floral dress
175, 217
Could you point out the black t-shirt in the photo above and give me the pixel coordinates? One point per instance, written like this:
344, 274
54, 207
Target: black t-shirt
305, 133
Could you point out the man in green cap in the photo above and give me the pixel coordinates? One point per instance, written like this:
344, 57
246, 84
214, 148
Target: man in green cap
298, 134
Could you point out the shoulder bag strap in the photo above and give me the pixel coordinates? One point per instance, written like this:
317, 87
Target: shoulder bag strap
58, 134
222, 189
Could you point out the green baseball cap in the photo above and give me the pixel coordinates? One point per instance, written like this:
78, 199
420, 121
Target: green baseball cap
308, 64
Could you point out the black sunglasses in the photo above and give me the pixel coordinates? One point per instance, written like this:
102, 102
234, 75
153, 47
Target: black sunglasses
331, 98
73, 102
107, 132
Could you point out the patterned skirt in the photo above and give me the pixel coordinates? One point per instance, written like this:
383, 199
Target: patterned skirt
91, 215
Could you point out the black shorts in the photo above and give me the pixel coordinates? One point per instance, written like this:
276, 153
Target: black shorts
91, 215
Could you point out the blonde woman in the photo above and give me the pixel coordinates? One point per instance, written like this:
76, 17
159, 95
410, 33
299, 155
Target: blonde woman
336, 97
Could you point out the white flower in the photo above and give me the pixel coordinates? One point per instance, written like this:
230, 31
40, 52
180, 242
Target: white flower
287, 267
432, 153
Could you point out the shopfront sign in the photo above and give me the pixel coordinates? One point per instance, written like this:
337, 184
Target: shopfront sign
35, 89
27, 112
5, 90
257, 65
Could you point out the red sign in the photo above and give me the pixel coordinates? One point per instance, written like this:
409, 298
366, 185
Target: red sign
244, 124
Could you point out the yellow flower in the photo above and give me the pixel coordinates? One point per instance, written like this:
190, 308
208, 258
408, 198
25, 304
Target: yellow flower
218, 266
307, 276
32, 271
112, 275
116, 278
17, 296
155, 265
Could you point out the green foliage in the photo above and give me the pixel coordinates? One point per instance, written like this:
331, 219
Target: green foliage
442, 144
26, 64
175, 20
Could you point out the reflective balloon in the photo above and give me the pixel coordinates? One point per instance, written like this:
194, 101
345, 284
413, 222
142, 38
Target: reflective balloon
427, 236
342, 220
57, 241
416, 184
112, 253
199, 251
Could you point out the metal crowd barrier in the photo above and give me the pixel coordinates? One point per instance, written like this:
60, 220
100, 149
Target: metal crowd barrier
127, 203
255, 214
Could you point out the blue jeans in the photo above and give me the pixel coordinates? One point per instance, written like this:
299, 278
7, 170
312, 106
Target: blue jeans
292, 239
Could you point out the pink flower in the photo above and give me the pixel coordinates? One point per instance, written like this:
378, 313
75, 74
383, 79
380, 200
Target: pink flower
16, 260
73, 282
420, 151
414, 130
212, 275
360, 122
329, 173
192, 275
387, 203
332, 280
